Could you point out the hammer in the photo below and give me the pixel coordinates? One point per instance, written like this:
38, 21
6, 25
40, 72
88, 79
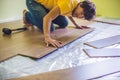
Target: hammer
9, 31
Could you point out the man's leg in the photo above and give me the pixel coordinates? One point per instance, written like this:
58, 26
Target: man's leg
36, 14
61, 21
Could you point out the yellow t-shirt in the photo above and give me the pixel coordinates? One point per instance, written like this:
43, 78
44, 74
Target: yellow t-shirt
66, 6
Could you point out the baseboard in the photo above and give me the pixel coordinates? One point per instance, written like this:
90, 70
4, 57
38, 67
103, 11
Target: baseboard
10, 19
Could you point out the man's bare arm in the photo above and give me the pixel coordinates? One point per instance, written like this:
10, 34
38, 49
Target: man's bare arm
47, 24
72, 20
76, 25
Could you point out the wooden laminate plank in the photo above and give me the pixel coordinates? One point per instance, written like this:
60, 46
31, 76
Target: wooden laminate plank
104, 42
31, 43
95, 53
84, 72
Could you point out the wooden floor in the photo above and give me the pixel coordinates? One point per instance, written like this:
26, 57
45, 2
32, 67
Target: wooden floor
68, 56
31, 42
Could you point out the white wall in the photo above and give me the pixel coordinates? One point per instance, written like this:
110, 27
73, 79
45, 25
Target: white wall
11, 9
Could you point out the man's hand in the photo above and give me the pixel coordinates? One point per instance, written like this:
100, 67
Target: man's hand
53, 42
76, 25
82, 27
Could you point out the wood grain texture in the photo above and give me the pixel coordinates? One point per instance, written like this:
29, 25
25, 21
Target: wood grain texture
107, 20
84, 72
104, 42
31, 42
109, 52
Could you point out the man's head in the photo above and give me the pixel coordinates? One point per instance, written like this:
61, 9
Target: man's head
85, 9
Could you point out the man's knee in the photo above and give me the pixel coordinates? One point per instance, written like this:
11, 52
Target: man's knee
64, 24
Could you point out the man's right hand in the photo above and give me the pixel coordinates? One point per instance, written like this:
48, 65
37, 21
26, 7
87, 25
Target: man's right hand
53, 42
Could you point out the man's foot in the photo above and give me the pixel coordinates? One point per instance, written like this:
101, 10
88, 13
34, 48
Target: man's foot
26, 24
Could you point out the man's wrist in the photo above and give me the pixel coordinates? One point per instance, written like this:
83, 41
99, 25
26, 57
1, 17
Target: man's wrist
47, 36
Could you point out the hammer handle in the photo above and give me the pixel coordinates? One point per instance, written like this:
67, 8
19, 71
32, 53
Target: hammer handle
19, 29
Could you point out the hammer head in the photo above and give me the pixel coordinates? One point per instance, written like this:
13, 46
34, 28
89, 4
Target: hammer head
6, 31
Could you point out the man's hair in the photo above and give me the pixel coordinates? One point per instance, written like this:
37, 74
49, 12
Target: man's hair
89, 9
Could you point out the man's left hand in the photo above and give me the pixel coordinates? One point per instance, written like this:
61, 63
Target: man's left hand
82, 27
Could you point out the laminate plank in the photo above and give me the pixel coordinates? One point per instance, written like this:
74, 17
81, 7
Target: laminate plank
95, 53
104, 42
31, 43
84, 72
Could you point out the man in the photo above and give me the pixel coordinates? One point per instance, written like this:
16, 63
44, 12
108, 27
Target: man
45, 13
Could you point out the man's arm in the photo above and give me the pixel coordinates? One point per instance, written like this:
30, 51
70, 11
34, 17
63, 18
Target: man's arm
76, 25
47, 24
72, 20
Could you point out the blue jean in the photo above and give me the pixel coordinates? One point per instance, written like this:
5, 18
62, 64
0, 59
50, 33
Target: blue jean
37, 12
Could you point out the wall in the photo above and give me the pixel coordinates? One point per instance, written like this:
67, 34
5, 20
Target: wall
108, 8
11, 9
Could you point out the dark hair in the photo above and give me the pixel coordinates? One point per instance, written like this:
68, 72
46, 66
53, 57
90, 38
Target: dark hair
89, 9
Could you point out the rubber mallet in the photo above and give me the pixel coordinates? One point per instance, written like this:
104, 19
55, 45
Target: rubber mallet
9, 31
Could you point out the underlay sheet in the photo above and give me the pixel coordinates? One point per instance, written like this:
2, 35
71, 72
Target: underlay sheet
68, 56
